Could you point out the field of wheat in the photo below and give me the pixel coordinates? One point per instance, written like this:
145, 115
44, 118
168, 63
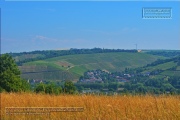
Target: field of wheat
95, 107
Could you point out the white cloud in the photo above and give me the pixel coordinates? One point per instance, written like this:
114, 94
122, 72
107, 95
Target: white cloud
40, 37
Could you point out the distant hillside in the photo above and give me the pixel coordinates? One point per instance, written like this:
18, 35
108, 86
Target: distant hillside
165, 53
71, 67
24, 57
159, 69
168, 67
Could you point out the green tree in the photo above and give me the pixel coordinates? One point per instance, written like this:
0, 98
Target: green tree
1, 89
25, 86
10, 79
50, 88
69, 87
168, 87
40, 88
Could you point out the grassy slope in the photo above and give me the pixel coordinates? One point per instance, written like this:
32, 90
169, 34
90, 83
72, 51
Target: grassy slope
178, 68
27, 56
165, 66
76, 65
171, 73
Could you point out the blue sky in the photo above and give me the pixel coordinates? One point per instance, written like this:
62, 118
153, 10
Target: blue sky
29, 26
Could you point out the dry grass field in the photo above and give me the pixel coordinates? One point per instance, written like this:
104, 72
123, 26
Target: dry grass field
95, 107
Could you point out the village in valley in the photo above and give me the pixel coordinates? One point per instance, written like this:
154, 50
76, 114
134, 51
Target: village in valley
99, 76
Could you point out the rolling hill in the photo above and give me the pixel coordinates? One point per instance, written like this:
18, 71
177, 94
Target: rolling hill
71, 67
168, 68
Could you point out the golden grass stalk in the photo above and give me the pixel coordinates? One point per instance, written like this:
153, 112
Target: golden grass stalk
95, 107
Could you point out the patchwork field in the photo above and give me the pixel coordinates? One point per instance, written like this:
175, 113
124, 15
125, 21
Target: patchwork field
95, 107
76, 65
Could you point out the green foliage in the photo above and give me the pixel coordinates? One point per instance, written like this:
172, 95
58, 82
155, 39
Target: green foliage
174, 81
1, 89
161, 61
170, 53
50, 88
178, 60
113, 86
153, 86
69, 87
53, 89
25, 86
40, 88
168, 87
10, 79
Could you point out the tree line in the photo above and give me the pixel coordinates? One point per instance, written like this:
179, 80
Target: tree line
170, 53
45, 54
161, 61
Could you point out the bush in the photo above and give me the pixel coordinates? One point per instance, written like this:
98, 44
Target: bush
48, 89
